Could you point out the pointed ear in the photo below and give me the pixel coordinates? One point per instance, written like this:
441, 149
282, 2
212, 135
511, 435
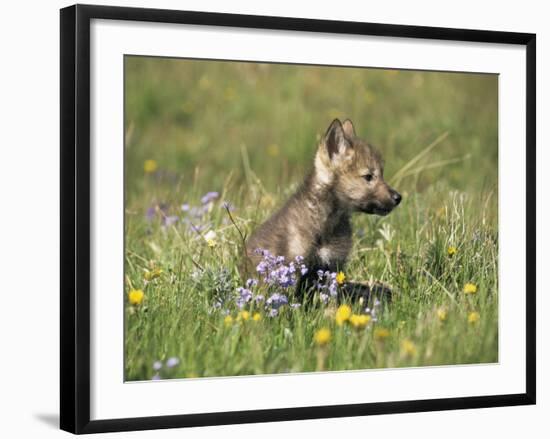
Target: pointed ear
349, 130
335, 140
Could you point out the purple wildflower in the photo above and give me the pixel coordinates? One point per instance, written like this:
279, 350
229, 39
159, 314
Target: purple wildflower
170, 220
209, 197
150, 213
250, 283
262, 267
157, 365
155, 209
300, 262
276, 272
276, 300
333, 289
327, 283
156, 377
185, 207
228, 206
172, 362
245, 295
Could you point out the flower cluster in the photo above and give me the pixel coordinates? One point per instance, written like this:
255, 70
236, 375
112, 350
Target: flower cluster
359, 321
327, 285
344, 315
194, 217
242, 317
275, 272
274, 302
245, 295
277, 276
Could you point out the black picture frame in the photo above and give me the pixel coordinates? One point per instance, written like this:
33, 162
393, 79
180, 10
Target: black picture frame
75, 217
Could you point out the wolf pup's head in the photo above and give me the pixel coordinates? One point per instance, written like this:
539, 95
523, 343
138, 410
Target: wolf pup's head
354, 171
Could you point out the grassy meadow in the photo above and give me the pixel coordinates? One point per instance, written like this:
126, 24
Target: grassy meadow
213, 148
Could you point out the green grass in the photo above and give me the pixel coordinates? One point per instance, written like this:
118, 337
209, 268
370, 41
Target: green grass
249, 131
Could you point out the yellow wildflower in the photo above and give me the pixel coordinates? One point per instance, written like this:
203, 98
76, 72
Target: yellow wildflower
381, 334
228, 321
408, 348
340, 277
150, 166
343, 313
470, 288
451, 250
135, 297
359, 321
442, 314
473, 317
243, 315
152, 274
257, 317
322, 336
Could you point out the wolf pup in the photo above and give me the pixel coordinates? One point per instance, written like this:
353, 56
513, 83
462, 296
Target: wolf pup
347, 177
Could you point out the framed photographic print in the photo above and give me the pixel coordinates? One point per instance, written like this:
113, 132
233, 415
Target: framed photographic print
268, 218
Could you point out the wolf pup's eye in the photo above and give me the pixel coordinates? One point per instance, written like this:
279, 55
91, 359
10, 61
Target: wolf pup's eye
368, 177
